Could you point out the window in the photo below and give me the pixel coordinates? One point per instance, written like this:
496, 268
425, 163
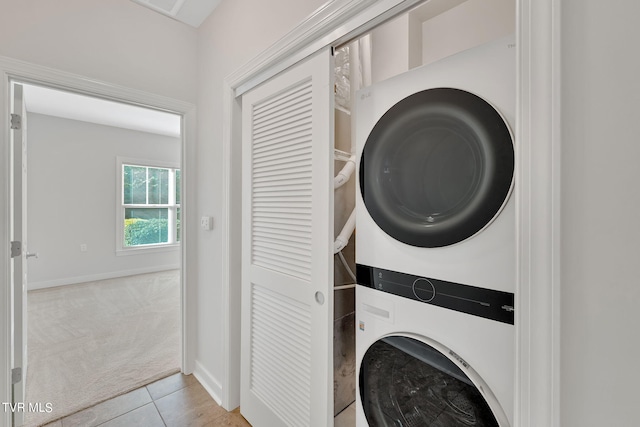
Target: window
149, 209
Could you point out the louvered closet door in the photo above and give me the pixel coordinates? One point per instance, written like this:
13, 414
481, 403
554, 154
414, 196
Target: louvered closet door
287, 294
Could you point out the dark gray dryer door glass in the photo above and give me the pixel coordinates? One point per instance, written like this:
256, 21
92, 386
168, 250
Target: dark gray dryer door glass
407, 383
437, 167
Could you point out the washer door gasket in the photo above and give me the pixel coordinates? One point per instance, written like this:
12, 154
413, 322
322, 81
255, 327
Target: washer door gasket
437, 167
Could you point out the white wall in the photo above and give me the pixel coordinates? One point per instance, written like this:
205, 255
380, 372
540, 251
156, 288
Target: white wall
390, 52
467, 25
117, 41
600, 241
72, 196
236, 32
436, 30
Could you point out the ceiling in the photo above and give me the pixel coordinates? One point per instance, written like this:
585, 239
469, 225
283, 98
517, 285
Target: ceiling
69, 105
191, 12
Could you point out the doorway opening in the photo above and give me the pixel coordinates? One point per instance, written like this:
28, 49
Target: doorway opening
104, 286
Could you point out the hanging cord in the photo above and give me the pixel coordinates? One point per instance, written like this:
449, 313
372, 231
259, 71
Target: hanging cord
346, 266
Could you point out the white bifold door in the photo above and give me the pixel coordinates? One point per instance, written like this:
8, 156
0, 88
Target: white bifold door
287, 281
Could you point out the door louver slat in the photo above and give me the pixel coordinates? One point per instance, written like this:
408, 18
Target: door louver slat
278, 159
286, 243
294, 159
282, 152
278, 170
300, 91
286, 134
287, 238
273, 359
286, 115
284, 140
283, 229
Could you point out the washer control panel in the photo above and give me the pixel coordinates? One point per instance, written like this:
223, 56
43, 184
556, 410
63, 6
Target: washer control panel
482, 302
423, 289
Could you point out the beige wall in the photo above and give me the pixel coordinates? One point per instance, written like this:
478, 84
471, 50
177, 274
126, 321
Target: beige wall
600, 237
116, 41
237, 31
435, 30
467, 25
72, 167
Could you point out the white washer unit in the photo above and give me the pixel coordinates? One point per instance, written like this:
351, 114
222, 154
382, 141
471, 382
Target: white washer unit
435, 246
435, 161
434, 367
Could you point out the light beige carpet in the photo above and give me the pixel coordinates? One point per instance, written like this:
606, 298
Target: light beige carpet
90, 342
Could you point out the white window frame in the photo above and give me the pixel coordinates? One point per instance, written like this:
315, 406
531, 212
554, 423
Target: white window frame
172, 206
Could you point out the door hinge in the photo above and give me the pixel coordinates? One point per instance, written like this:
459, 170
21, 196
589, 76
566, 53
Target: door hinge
16, 121
16, 375
16, 249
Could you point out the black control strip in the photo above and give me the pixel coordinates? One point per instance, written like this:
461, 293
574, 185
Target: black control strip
482, 302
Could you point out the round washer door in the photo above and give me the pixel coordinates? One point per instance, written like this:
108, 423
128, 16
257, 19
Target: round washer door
437, 167
407, 382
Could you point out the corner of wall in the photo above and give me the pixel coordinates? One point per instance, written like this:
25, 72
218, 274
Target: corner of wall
209, 382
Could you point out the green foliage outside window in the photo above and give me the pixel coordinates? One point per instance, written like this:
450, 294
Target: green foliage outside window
145, 231
144, 186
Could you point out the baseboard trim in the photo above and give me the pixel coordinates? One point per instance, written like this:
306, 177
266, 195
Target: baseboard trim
208, 381
31, 286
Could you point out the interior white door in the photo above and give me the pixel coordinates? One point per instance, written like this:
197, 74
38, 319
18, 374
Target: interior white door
19, 249
287, 281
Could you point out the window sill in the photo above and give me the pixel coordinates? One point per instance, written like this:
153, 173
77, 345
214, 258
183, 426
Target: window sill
142, 250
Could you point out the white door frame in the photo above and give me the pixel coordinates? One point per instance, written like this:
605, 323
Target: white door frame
537, 382
537, 191
23, 72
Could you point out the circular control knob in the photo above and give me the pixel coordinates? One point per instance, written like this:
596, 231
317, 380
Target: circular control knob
424, 290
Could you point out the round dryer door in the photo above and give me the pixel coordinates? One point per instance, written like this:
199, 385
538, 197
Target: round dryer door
406, 382
437, 167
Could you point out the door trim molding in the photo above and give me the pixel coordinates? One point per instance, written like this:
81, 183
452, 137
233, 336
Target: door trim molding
332, 24
537, 392
24, 72
537, 380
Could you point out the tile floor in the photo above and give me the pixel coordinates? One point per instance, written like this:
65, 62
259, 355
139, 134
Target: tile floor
176, 401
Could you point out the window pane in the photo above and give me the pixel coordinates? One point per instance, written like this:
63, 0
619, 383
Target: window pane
126, 184
145, 226
177, 224
158, 186
135, 184
177, 186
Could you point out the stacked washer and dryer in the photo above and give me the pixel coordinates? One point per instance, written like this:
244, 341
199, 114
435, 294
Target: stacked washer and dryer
436, 243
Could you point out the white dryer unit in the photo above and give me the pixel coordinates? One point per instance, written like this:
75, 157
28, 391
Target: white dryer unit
433, 367
435, 158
